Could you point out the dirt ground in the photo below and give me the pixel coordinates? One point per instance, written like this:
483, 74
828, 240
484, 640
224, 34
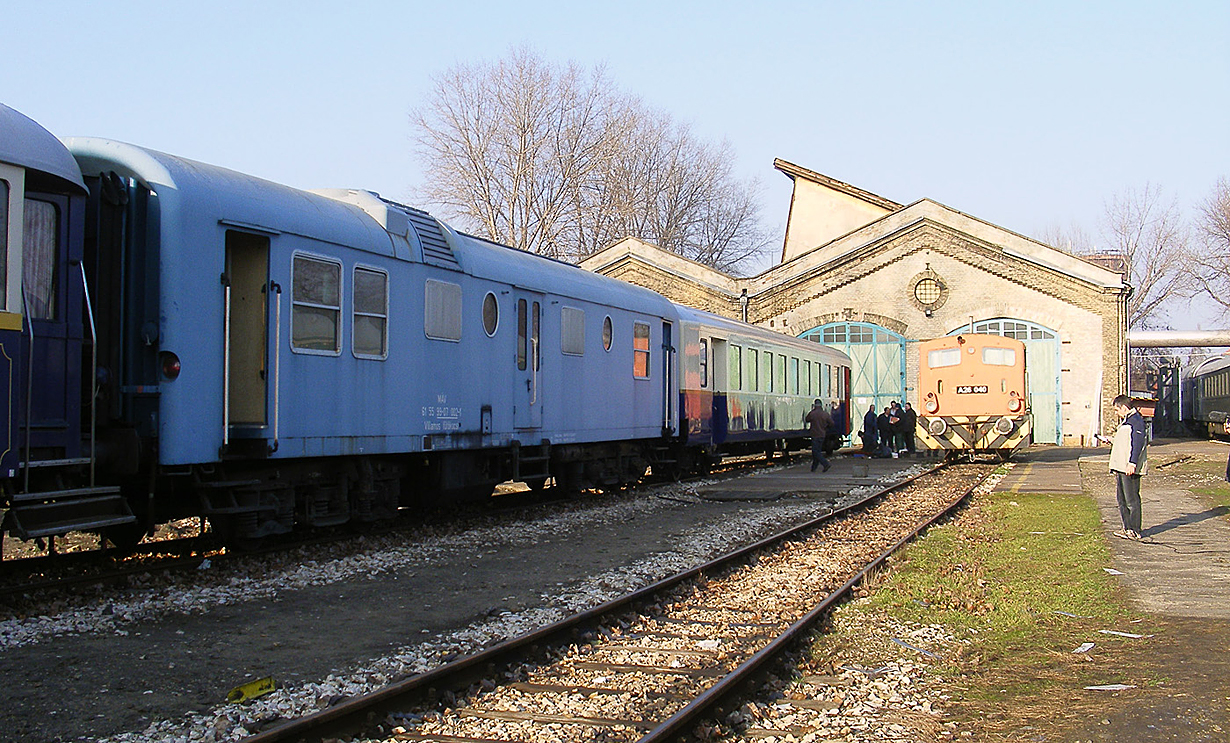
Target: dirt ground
1182, 675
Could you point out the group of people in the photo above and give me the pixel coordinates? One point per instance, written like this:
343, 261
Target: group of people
893, 431
890, 432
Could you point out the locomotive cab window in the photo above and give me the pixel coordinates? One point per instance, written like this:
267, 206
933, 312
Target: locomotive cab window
442, 305
370, 333
316, 305
572, 330
942, 357
607, 333
999, 356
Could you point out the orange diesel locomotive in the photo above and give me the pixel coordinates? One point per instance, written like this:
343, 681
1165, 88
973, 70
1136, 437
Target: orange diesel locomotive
972, 394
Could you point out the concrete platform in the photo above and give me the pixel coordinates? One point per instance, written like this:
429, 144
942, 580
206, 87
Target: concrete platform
1182, 566
1046, 469
847, 473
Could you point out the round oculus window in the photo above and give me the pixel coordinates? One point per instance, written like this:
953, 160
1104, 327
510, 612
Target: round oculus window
607, 333
928, 291
491, 314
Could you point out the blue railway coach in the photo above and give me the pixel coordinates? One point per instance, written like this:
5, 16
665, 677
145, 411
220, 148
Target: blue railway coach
280, 324
274, 359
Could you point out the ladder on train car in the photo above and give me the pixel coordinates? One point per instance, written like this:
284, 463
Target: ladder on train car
51, 513
38, 514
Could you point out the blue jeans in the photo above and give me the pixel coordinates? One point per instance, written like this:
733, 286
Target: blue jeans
817, 454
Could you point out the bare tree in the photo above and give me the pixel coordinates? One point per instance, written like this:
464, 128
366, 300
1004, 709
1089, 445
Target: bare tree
1071, 239
506, 144
1153, 236
1152, 239
556, 161
1212, 258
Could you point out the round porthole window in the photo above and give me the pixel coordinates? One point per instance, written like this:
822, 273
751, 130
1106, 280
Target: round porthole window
607, 333
491, 314
928, 291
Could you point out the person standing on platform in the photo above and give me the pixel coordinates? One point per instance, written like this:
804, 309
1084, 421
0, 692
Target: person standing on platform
885, 428
820, 422
1226, 427
909, 422
1129, 461
870, 439
838, 432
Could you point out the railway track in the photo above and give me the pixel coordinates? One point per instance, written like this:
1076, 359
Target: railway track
23, 578
651, 664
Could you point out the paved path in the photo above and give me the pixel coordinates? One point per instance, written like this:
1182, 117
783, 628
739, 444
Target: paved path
1182, 566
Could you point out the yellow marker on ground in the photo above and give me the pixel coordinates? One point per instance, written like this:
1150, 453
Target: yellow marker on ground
250, 690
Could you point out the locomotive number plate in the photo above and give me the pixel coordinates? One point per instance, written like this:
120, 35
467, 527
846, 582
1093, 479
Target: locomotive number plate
972, 389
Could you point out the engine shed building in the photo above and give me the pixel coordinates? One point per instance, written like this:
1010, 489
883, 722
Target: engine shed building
873, 277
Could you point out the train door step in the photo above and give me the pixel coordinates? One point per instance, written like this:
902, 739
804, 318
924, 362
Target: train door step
40, 463
55, 513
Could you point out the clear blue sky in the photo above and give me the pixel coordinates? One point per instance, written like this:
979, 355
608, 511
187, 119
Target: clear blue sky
1028, 115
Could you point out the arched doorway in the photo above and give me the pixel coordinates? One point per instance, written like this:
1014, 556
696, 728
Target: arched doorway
877, 356
1042, 367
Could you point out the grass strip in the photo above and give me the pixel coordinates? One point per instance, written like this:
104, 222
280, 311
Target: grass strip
1019, 578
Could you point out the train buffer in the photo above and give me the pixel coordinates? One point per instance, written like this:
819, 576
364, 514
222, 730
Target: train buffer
56, 512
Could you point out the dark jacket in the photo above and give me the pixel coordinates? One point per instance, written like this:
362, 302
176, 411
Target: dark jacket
871, 438
909, 419
820, 422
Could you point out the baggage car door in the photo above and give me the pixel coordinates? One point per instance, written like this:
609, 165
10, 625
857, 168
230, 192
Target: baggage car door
527, 397
247, 333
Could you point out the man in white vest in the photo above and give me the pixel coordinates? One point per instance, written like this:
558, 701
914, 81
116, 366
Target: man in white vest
1129, 461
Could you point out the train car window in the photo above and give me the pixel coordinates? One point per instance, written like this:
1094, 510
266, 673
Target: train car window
316, 305
535, 336
608, 333
442, 316
826, 379
781, 373
370, 326
523, 325
491, 314
811, 391
640, 348
572, 331
736, 368
768, 371
942, 357
753, 370
40, 251
704, 362
999, 356
4, 244
794, 376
